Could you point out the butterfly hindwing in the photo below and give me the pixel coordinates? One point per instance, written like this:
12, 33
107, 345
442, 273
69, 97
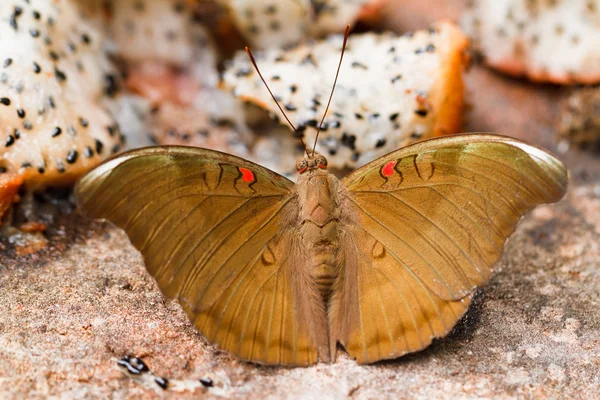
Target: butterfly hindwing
431, 220
214, 231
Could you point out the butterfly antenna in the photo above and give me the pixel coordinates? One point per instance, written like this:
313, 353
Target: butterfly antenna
275, 99
332, 89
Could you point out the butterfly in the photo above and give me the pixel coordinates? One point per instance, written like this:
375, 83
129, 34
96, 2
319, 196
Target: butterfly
382, 261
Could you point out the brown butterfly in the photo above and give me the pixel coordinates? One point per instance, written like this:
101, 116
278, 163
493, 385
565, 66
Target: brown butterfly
381, 262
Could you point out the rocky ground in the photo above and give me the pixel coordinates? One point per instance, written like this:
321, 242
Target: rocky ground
67, 314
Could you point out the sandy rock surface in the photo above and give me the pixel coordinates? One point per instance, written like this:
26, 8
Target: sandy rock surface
71, 312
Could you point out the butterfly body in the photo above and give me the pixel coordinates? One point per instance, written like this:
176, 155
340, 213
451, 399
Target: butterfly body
382, 261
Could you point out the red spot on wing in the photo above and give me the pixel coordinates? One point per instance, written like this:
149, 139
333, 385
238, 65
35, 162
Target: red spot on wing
247, 175
388, 169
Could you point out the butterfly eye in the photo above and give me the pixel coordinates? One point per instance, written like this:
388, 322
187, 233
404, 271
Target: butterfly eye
301, 166
321, 162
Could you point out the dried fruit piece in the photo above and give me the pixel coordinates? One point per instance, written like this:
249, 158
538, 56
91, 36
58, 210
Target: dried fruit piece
54, 78
270, 23
407, 88
551, 41
158, 30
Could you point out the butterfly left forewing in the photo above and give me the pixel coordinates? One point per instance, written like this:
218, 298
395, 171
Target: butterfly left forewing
214, 231
431, 220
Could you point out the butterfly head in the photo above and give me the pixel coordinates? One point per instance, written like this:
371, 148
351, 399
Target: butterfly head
309, 163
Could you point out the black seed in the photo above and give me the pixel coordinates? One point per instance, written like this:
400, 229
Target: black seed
72, 47
110, 85
206, 382
60, 166
13, 23
116, 148
27, 125
355, 156
244, 71
335, 124
111, 131
185, 137
41, 170
275, 77
3, 170
293, 88
50, 21
374, 116
26, 165
10, 140
34, 33
83, 122
36, 14
332, 152
47, 40
60, 76
57, 131
396, 78
72, 156
392, 49
86, 39
349, 141
380, 143
416, 135
356, 64
51, 102
338, 115
421, 113
419, 51
5, 101
18, 11
71, 131
17, 134
430, 48
300, 128
88, 152
36, 68
312, 122
53, 55
394, 116
290, 107
7, 62
309, 59
162, 382
358, 116
21, 113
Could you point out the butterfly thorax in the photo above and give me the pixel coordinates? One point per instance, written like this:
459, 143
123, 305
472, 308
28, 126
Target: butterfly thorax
319, 217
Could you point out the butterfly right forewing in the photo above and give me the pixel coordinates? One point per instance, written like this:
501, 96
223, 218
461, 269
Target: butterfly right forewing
430, 221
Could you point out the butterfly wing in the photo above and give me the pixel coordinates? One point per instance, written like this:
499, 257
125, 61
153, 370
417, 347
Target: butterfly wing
216, 233
431, 220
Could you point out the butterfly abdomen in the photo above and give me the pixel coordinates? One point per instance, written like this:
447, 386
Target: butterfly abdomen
319, 216
322, 245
